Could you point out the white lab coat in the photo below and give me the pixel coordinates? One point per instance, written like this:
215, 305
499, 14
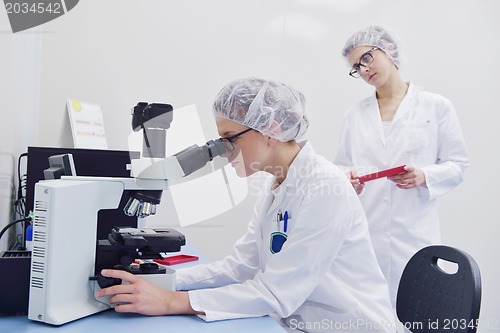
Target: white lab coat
425, 133
326, 273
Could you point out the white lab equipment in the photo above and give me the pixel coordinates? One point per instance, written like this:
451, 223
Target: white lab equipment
65, 255
66, 264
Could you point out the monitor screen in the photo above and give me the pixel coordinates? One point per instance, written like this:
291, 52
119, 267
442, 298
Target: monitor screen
87, 162
60, 165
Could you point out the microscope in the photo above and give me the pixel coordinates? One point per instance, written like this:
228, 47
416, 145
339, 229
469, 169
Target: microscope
67, 258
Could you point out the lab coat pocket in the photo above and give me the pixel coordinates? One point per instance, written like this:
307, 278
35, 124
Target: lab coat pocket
418, 138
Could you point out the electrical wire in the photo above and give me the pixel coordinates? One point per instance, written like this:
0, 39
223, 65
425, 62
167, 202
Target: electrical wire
24, 219
20, 203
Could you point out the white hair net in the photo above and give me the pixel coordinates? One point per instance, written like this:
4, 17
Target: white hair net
374, 36
267, 106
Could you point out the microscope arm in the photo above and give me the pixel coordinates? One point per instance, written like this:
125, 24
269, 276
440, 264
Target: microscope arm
178, 165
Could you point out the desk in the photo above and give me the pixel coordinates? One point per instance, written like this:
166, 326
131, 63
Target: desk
111, 321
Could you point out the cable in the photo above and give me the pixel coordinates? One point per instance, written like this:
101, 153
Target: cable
20, 203
24, 219
19, 169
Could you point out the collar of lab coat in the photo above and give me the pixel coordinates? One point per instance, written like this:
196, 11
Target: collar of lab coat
297, 167
373, 110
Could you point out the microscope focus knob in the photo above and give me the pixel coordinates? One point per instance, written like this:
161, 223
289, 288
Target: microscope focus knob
105, 282
149, 267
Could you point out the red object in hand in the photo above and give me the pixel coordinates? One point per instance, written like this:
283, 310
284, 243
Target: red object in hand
174, 260
384, 173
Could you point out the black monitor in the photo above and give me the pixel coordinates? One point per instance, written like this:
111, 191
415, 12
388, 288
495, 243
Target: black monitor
60, 165
87, 162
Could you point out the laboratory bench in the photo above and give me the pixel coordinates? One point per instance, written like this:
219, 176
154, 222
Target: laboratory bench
111, 321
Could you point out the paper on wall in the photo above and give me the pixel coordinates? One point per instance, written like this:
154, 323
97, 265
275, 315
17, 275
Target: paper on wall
87, 125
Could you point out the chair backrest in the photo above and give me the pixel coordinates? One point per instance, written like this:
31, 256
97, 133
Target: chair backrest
431, 300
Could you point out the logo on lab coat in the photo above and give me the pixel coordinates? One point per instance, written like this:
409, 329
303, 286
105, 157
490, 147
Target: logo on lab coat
277, 240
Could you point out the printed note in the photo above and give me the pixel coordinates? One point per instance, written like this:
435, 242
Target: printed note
87, 125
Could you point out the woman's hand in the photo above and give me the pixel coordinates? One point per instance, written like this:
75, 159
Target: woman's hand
356, 184
412, 178
141, 296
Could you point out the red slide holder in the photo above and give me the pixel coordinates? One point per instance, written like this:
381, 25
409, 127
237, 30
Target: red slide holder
177, 259
384, 173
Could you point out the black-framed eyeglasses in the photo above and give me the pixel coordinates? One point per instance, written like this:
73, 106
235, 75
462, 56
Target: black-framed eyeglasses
230, 141
364, 61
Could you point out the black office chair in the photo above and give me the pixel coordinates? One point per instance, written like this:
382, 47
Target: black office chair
432, 300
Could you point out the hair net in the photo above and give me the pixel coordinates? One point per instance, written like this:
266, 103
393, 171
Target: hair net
267, 106
374, 36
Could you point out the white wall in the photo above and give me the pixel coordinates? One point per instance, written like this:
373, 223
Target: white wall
117, 52
20, 58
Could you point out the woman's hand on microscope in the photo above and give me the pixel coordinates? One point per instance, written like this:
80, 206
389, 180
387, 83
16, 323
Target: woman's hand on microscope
140, 296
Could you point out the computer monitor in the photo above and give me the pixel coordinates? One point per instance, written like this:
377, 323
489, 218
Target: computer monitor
60, 165
87, 162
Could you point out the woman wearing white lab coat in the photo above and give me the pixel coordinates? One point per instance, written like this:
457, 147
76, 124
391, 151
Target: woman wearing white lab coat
306, 257
400, 124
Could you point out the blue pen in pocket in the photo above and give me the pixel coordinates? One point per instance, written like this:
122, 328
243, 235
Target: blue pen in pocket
285, 221
279, 238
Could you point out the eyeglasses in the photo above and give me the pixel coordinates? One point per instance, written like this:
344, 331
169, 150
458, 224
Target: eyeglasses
365, 61
230, 141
